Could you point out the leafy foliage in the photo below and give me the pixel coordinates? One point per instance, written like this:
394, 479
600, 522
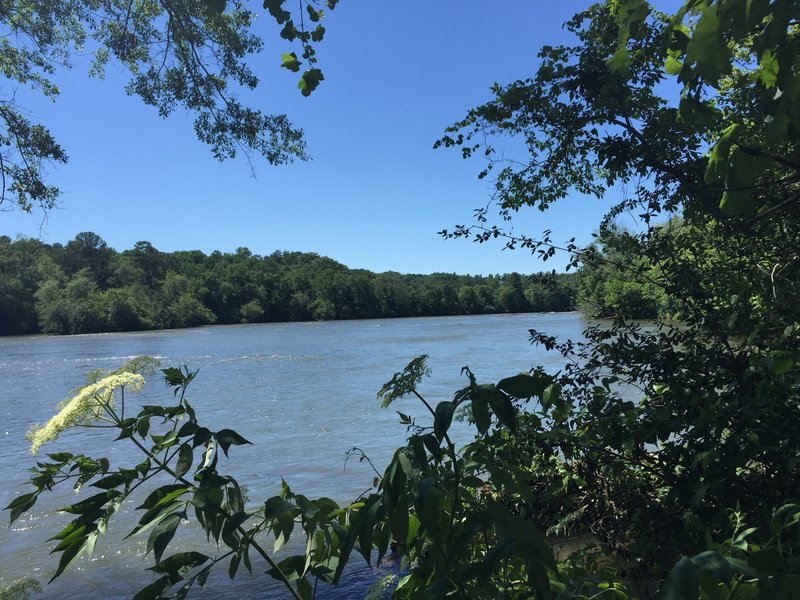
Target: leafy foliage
431, 505
665, 428
177, 448
186, 54
615, 279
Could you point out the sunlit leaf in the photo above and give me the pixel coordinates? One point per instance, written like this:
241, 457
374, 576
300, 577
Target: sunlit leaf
289, 61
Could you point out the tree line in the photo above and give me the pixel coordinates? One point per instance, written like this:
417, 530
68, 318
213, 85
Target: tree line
85, 286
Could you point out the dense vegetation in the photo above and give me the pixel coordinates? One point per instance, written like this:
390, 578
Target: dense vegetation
670, 453
85, 286
617, 279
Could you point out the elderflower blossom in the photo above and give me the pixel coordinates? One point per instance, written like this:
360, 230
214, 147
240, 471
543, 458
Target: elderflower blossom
87, 405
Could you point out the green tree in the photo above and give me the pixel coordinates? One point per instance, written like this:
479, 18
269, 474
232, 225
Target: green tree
180, 304
706, 431
118, 309
510, 296
67, 304
88, 251
189, 55
617, 280
468, 300
149, 260
251, 312
19, 280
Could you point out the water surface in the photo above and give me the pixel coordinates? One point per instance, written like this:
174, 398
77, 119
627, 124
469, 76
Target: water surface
303, 393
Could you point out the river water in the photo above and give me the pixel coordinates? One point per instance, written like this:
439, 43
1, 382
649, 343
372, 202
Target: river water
303, 393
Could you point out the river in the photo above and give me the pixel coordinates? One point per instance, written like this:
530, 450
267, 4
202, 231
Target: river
303, 393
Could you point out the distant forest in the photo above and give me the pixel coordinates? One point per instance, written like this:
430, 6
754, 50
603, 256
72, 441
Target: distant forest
85, 286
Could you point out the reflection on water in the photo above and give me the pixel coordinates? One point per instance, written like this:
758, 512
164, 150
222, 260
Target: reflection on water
303, 393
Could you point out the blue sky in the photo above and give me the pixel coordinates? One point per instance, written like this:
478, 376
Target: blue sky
375, 193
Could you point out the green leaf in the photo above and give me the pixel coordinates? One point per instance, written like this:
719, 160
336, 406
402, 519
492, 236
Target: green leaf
524, 385
443, 417
72, 553
288, 32
159, 510
313, 13
741, 176
173, 376
281, 513
227, 438
620, 61
143, 427
692, 110
275, 8
291, 567
504, 409
318, 34
310, 81
707, 49
768, 68
715, 564
480, 413
163, 494
673, 66
162, 534
766, 561
201, 436
736, 202
528, 537
236, 559
21, 504
399, 516
230, 529
123, 477
143, 467
165, 441
682, 582
427, 504
126, 428
717, 167
782, 362
289, 61
61, 457
187, 429
402, 384
92, 503
179, 564
77, 529
488, 564
369, 515
185, 457
154, 590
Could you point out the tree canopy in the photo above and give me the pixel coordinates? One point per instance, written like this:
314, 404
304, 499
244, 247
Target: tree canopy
189, 55
686, 119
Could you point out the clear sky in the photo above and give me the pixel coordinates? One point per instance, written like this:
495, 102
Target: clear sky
375, 193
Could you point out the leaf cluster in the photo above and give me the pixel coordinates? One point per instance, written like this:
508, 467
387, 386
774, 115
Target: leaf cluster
670, 425
187, 55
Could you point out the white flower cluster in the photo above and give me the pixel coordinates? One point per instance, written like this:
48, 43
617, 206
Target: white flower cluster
89, 404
